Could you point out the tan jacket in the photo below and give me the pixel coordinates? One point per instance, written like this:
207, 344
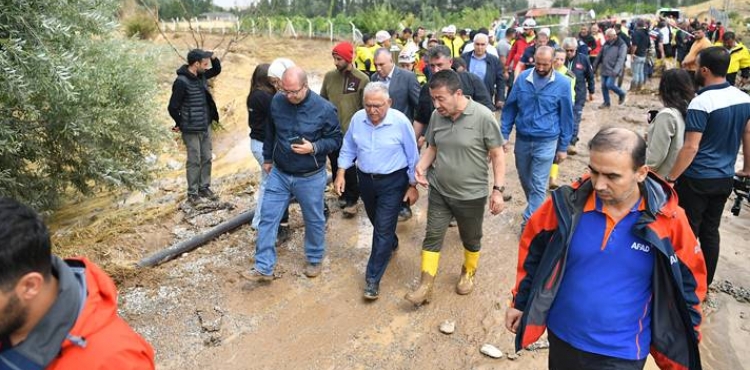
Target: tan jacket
689, 62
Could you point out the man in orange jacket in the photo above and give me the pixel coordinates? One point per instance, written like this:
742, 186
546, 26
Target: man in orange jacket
618, 234
57, 314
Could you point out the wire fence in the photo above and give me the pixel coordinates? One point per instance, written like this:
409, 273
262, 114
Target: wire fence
271, 27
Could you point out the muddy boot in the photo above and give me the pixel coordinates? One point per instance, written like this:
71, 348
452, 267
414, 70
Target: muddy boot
466, 282
554, 171
423, 293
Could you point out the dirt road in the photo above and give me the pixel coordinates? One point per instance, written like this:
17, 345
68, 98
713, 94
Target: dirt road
198, 312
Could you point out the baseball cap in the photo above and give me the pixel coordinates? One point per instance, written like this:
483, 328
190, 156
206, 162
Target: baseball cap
450, 29
381, 36
406, 57
196, 55
545, 31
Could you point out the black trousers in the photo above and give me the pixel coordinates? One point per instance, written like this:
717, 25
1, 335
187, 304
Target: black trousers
381, 195
351, 189
563, 356
703, 201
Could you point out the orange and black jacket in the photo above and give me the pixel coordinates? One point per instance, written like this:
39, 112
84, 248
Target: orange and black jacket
679, 281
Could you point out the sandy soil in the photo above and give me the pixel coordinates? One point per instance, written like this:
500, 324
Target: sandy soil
198, 313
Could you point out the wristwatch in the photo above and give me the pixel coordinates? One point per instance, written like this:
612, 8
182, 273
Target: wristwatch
669, 179
499, 188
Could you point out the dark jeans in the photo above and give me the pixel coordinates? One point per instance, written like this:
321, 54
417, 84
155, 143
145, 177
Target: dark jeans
198, 166
469, 215
382, 195
703, 201
351, 189
578, 114
563, 356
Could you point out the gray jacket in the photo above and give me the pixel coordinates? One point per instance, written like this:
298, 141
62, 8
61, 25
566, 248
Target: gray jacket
611, 58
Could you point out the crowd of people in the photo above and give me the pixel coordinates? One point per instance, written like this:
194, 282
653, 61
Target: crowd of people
409, 109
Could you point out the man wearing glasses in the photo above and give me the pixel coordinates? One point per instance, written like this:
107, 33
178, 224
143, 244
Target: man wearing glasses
382, 141
578, 64
304, 129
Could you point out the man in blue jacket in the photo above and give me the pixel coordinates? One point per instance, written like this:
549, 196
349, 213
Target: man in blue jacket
540, 105
304, 129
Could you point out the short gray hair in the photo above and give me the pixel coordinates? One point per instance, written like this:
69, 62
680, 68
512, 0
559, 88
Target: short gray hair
610, 32
377, 87
480, 36
380, 51
570, 42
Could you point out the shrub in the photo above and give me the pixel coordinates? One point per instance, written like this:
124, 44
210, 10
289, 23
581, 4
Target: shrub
140, 25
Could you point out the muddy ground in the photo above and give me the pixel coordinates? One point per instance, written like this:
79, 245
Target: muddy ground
198, 313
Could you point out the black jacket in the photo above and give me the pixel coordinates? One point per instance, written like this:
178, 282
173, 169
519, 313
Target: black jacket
191, 106
494, 80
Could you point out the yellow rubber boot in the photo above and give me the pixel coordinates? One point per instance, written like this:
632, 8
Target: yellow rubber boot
466, 282
423, 293
553, 172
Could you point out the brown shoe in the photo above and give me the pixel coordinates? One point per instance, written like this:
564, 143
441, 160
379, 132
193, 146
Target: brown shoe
553, 183
313, 269
572, 149
465, 283
350, 210
257, 276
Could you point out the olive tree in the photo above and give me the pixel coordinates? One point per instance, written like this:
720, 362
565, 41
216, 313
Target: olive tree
76, 101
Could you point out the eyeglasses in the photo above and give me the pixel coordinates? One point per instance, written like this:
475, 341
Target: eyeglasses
570, 50
292, 92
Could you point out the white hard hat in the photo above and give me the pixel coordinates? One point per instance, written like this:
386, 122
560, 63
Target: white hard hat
278, 66
529, 22
381, 36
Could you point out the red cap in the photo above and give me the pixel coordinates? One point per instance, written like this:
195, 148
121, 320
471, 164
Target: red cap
345, 50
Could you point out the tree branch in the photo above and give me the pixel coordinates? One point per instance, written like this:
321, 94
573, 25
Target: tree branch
158, 27
190, 25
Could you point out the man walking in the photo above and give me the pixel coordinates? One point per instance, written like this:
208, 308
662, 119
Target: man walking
192, 108
611, 59
715, 125
639, 48
343, 87
461, 136
487, 67
403, 89
304, 130
382, 141
617, 233
57, 314
578, 64
541, 108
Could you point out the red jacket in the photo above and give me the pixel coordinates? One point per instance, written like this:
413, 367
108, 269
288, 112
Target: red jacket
516, 52
109, 342
679, 282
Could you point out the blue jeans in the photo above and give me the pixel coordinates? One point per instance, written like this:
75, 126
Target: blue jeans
610, 83
638, 76
256, 147
533, 162
309, 191
382, 195
577, 114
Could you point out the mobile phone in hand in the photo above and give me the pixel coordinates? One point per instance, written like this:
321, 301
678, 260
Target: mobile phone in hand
296, 140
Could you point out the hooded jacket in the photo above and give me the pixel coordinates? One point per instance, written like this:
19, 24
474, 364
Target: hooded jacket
679, 277
611, 58
82, 329
191, 105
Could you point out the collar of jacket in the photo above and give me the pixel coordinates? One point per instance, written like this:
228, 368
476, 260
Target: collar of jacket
45, 340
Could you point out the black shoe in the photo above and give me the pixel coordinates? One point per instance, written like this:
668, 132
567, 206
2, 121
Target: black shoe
283, 234
604, 106
372, 290
622, 99
193, 199
326, 212
208, 194
404, 214
342, 203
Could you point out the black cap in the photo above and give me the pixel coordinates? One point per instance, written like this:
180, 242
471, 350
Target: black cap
197, 55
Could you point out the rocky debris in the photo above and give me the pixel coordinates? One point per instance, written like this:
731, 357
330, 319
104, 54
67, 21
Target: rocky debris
741, 294
513, 356
540, 344
491, 351
448, 327
173, 165
210, 319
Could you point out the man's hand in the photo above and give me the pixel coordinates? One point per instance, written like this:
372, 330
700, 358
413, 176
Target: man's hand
412, 195
499, 104
305, 148
267, 167
176, 129
506, 147
496, 202
420, 142
742, 174
560, 157
591, 97
506, 74
512, 319
340, 183
421, 176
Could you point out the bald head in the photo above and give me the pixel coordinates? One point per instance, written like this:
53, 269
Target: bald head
294, 76
544, 52
616, 139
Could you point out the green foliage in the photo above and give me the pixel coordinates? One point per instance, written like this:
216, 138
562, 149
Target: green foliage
77, 105
175, 9
141, 26
381, 17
